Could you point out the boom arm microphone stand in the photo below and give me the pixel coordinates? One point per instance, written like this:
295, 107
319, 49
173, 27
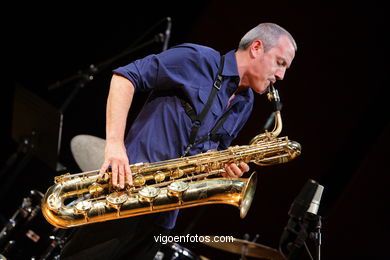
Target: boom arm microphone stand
87, 75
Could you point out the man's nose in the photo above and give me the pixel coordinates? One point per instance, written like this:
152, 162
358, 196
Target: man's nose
279, 74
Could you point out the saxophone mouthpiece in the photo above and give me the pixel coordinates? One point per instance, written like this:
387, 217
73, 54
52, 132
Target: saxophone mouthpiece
273, 96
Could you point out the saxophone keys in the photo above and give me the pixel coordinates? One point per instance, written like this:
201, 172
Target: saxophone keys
54, 202
83, 206
139, 180
148, 194
61, 178
117, 198
176, 189
178, 173
178, 186
105, 178
95, 189
200, 168
159, 176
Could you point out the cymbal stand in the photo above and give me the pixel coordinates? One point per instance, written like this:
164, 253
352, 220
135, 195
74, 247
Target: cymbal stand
244, 248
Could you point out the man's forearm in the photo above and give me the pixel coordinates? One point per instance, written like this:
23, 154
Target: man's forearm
118, 105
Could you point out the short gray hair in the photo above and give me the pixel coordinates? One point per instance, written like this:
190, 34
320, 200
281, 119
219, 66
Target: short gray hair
268, 33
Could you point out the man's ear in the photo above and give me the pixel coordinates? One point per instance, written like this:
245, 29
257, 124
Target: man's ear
256, 48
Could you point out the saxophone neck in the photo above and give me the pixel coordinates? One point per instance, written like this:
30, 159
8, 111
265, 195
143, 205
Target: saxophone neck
278, 124
273, 96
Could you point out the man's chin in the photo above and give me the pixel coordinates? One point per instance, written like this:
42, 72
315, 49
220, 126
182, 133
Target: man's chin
260, 89
263, 91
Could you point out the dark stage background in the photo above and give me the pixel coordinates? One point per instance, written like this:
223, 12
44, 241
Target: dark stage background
334, 104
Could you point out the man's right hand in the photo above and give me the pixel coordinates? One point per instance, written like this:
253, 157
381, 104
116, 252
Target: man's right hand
116, 157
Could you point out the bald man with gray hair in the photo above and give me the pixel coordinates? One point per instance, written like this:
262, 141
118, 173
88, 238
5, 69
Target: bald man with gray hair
269, 33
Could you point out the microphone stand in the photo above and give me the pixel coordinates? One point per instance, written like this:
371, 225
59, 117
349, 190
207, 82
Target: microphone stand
87, 75
309, 228
316, 236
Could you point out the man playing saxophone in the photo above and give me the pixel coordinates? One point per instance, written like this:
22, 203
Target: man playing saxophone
199, 100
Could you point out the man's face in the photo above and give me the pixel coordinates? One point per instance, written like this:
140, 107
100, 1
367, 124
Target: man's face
270, 66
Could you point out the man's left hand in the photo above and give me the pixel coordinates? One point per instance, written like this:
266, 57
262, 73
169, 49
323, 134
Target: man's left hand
235, 171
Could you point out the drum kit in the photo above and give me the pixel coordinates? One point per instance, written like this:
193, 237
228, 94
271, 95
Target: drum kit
244, 248
27, 235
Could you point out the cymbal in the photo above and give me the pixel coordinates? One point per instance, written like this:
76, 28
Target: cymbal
88, 151
250, 249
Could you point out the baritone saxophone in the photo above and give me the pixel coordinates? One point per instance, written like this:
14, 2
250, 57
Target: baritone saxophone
80, 199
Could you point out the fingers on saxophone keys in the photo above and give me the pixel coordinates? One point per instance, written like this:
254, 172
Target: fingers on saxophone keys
114, 176
236, 171
103, 169
229, 171
129, 177
244, 167
121, 171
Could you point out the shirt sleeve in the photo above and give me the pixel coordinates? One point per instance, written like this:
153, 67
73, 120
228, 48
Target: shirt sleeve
142, 73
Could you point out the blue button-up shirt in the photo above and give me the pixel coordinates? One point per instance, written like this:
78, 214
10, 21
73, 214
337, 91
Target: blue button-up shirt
162, 128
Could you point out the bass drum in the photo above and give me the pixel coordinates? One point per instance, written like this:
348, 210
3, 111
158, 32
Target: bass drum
174, 251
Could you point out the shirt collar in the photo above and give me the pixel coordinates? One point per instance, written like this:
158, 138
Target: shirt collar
230, 68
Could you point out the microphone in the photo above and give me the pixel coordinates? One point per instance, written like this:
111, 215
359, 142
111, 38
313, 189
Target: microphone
303, 212
308, 200
167, 34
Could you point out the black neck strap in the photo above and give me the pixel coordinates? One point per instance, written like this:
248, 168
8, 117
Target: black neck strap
199, 118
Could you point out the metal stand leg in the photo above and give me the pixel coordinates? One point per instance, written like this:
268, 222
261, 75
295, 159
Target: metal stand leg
316, 236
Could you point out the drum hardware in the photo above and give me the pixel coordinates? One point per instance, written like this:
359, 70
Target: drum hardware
27, 233
245, 248
23, 216
88, 151
174, 251
6, 252
56, 243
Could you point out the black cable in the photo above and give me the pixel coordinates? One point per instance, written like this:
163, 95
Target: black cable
146, 33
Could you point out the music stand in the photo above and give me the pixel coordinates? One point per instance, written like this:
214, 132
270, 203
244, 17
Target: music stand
38, 125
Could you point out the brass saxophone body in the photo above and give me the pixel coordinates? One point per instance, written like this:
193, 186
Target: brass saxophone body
81, 199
